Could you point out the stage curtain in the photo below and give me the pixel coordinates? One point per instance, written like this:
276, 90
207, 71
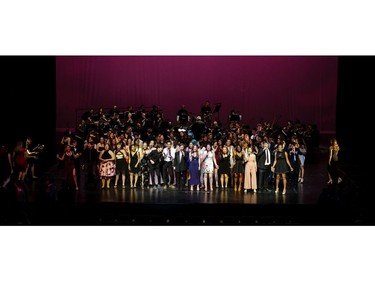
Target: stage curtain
258, 87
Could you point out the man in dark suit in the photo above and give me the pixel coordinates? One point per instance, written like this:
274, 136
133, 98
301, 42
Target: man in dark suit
180, 165
294, 160
77, 161
154, 159
264, 167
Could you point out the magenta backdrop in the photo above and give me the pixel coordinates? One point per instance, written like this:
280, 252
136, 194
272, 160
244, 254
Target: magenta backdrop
259, 87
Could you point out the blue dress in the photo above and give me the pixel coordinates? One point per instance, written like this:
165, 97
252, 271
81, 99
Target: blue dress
194, 171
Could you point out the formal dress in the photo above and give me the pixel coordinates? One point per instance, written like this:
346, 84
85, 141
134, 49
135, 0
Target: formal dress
281, 166
107, 168
194, 171
224, 165
239, 167
208, 163
333, 168
121, 165
20, 160
133, 161
250, 173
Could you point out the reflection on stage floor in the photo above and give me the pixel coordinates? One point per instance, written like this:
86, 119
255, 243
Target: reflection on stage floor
311, 202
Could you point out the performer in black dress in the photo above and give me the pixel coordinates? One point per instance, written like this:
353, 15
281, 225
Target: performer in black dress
280, 166
224, 168
144, 169
333, 161
238, 168
121, 164
133, 166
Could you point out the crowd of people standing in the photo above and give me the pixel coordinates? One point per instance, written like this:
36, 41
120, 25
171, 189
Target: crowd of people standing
139, 149
146, 151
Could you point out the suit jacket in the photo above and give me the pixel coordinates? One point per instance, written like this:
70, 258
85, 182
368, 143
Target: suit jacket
154, 156
180, 164
262, 159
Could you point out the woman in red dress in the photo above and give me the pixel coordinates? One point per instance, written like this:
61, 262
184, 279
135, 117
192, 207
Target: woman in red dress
70, 171
19, 158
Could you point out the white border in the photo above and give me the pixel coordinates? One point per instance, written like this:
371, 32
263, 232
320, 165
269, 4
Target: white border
193, 27
169, 27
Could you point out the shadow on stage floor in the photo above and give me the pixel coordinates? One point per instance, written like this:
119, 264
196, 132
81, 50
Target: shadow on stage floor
311, 203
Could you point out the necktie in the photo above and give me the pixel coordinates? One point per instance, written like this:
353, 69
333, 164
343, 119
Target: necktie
267, 157
180, 156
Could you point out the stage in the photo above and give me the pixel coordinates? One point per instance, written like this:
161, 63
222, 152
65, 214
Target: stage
313, 202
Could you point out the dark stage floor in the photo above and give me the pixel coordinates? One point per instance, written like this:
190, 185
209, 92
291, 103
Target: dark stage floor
312, 202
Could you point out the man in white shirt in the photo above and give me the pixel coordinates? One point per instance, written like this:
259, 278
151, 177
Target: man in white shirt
168, 171
264, 167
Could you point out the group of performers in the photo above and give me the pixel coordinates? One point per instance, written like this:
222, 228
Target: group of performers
145, 152
20, 161
196, 155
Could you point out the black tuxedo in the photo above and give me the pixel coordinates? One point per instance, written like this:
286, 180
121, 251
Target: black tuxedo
263, 169
155, 156
180, 164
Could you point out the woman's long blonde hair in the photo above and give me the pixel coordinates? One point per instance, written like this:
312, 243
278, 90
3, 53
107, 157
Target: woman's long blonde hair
334, 145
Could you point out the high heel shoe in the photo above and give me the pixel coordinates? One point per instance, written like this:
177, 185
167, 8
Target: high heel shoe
301, 180
276, 190
329, 182
284, 192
